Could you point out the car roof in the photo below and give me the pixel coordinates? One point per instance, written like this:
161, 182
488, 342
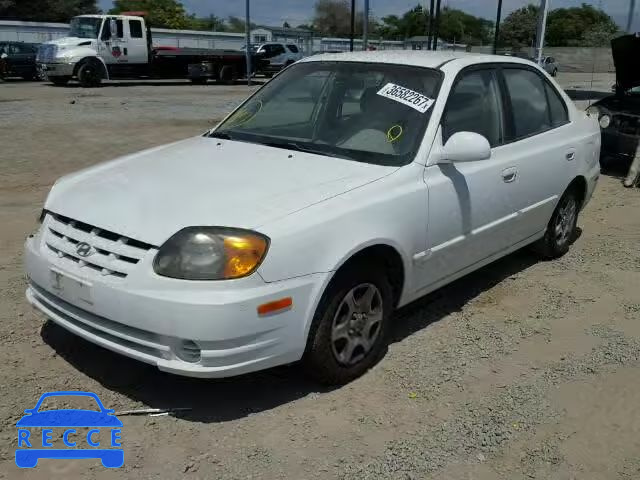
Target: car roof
418, 58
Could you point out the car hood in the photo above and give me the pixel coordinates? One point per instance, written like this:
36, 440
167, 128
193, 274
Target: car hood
629, 104
66, 42
69, 418
625, 51
151, 195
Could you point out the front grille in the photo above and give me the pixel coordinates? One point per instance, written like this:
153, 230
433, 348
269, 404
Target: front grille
627, 124
46, 53
110, 253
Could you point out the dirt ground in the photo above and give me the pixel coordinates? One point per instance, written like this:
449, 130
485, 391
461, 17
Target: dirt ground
522, 370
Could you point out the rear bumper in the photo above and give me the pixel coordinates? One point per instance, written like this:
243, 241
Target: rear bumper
199, 329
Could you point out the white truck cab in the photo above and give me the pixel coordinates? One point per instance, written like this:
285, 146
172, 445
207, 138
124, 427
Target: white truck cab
94, 45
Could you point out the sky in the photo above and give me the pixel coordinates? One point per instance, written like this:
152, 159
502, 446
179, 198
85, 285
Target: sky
295, 12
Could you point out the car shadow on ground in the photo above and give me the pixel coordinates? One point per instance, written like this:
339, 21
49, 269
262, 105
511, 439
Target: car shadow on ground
222, 400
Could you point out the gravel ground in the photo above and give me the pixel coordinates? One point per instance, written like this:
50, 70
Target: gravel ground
522, 370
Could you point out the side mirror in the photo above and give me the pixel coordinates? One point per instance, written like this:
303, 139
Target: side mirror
113, 28
465, 147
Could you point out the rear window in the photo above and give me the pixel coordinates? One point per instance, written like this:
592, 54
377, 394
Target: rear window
293, 48
135, 28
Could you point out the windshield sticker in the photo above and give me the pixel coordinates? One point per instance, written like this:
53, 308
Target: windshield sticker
408, 97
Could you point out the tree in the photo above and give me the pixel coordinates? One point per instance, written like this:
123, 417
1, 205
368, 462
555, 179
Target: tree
211, 23
576, 26
159, 13
286, 25
411, 24
236, 24
46, 10
568, 26
519, 28
464, 28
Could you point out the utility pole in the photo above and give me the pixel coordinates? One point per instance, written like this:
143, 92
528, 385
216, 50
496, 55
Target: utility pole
497, 32
436, 26
542, 27
365, 26
353, 24
247, 36
632, 7
430, 24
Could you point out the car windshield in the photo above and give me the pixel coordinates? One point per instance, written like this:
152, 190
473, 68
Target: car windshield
85, 27
368, 112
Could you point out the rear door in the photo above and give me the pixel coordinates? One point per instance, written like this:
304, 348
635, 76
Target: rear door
137, 50
543, 144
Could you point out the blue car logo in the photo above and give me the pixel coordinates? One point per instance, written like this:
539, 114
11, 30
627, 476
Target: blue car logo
32, 447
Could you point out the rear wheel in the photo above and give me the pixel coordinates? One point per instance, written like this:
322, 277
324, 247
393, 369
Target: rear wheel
561, 228
228, 75
348, 334
90, 75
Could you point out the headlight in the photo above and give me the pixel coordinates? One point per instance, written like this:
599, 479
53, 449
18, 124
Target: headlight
211, 253
605, 121
593, 111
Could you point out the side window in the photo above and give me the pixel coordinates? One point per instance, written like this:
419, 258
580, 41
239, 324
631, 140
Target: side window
106, 30
278, 50
531, 112
135, 28
474, 106
558, 108
293, 48
120, 28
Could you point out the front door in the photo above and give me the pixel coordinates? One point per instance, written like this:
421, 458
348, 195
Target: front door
471, 211
114, 50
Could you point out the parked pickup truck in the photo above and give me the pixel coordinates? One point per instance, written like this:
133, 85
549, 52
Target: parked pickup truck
120, 46
275, 56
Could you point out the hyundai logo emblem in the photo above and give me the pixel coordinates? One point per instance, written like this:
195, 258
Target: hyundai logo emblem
84, 249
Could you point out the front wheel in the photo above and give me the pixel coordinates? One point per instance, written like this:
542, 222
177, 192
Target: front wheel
90, 75
561, 228
348, 334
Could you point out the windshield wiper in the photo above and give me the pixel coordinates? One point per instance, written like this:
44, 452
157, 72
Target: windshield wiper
222, 135
302, 148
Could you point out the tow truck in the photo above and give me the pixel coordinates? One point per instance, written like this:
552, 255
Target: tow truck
101, 47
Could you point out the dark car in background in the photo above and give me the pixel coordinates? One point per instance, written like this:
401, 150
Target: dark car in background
18, 59
619, 114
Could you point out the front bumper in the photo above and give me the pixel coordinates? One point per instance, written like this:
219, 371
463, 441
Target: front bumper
199, 329
56, 69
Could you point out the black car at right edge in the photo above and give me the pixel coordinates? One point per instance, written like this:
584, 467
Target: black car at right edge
619, 114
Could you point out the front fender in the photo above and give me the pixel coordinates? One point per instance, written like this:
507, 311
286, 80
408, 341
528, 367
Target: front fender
391, 211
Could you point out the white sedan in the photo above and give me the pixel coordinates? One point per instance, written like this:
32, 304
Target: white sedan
348, 186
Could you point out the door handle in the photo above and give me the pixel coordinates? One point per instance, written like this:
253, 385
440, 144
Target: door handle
509, 174
571, 155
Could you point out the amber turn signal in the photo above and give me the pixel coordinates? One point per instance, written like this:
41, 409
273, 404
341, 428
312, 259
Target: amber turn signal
275, 306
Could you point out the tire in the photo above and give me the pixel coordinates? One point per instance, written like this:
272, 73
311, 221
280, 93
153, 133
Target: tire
227, 75
561, 228
343, 343
554, 73
90, 75
59, 81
